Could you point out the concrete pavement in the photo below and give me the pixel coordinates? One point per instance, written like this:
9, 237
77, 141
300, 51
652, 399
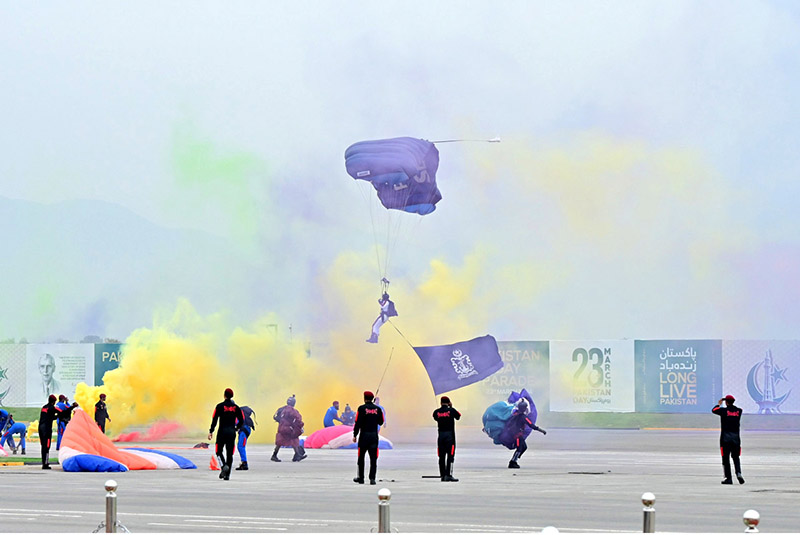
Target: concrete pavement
577, 480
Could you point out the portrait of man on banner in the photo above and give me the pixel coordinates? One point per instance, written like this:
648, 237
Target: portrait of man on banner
47, 370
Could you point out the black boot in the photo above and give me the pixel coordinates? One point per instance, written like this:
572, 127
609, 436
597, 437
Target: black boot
727, 470
513, 462
738, 476
275, 455
243, 466
359, 480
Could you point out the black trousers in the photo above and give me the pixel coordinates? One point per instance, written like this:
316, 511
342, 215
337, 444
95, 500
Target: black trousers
446, 448
730, 449
368, 445
45, 436
522, 446
227, 441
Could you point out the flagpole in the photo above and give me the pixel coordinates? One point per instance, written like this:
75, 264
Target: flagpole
384, 372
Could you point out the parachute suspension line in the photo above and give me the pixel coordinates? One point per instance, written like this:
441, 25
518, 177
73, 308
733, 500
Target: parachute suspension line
398, 332
393, 233
381, 266
387, 253
394, 230
493, 140
384, 372
365, 194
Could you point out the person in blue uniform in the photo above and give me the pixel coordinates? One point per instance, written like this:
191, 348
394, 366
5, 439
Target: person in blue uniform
14, 428
4, 419
64, 416
244, 434
332, 415
348, 416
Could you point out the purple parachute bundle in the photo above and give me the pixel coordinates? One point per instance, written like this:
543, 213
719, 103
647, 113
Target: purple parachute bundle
502, 420
402, 170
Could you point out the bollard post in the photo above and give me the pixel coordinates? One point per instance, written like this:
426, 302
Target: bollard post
111, 506
649, 525
384, 495
751, 519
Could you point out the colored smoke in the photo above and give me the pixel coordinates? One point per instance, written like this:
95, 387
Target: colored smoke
157, 431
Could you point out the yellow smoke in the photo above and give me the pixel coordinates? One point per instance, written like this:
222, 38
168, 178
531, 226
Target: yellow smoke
177, 370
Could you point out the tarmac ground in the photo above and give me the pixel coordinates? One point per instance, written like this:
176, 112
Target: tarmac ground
578, 480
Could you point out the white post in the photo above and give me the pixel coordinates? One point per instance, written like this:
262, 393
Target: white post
384, 495
751, 519
649, 526
111, 506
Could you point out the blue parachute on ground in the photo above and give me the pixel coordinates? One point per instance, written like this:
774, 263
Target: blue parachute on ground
498, 416
402, 170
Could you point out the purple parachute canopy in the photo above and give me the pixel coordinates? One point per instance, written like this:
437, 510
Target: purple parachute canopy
402, 170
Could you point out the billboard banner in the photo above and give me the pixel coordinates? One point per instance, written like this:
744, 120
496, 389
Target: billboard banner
678, 375
526, 365
763, 375
57, 369
12, 375
591, 376
106, 357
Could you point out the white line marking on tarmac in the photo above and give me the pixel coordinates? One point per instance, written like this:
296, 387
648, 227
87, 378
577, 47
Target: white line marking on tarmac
258, 522
41, 514
221, 527
295, 521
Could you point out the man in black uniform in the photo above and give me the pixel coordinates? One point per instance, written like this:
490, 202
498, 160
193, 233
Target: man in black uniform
446, 417
368, 417
47, 416
231, 419
101, 413
730, 443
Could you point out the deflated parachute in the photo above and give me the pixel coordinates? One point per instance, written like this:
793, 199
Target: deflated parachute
498, 416
402, 170
85, 448
338, 437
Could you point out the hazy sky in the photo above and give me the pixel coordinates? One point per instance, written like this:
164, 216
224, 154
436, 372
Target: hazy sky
646, 185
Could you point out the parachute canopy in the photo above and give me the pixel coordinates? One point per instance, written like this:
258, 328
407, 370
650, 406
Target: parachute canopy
402, 170
85, 448
338, 437
497, 418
